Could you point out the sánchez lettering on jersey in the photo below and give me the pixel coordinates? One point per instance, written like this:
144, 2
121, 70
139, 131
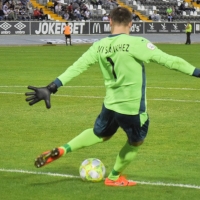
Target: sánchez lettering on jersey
113, 49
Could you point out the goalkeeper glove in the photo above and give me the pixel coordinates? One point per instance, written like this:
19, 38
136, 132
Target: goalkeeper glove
41, 93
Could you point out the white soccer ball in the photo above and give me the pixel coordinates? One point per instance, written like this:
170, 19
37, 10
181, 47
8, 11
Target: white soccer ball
92, 169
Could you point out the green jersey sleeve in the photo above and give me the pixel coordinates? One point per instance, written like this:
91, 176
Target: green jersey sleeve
147, 52
83, 63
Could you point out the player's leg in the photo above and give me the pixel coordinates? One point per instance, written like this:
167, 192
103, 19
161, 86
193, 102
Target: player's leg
104, 128
70, 41
136, 134
189, 39
66, 40
86, 138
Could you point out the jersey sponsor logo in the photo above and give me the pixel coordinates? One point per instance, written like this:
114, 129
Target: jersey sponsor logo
150, 46
96, 28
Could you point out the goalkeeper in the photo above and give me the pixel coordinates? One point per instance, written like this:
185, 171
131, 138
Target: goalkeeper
121, 58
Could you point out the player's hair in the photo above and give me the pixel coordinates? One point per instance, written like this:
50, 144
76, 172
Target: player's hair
121, 15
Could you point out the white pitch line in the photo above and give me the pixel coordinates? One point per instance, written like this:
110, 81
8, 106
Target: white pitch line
164, 88
96, 97
72, 176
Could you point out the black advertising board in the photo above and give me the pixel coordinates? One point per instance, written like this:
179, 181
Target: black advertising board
90, 28
165, 27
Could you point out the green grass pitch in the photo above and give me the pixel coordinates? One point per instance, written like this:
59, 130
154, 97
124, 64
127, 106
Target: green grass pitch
167, 165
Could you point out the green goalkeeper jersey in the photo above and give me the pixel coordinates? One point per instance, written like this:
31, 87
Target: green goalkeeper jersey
121, 58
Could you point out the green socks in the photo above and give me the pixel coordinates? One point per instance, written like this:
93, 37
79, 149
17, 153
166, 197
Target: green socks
125, 156
86, 138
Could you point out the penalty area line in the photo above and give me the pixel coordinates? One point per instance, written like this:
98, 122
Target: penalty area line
99, 97
100, 86
72, 176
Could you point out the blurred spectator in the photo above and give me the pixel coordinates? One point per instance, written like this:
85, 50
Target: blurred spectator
66, 15
71, 16
5, 1
78, 14
11, 15
184, 8
105, 17
5, 11
75, 6
5, 6
1, 14
169, 13
83, 7
36, 14
87, 14
135, 16
24, 2
58, 9
155, 16
11, 5
70, 9
99, 2
42, 15
23, 14
54, 5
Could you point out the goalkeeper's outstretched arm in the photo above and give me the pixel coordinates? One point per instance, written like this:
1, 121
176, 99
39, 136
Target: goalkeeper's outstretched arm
44, 93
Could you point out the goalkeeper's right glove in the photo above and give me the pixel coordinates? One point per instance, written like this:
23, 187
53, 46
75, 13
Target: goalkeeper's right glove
41, 93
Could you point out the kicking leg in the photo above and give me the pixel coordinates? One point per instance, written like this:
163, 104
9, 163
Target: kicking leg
86, 138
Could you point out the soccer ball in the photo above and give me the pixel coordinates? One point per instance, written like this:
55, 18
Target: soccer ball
92, 169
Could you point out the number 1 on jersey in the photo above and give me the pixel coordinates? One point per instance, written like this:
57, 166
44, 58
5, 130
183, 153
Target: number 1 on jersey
113, 65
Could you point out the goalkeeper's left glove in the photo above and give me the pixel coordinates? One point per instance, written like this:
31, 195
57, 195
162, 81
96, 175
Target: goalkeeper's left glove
41, 93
